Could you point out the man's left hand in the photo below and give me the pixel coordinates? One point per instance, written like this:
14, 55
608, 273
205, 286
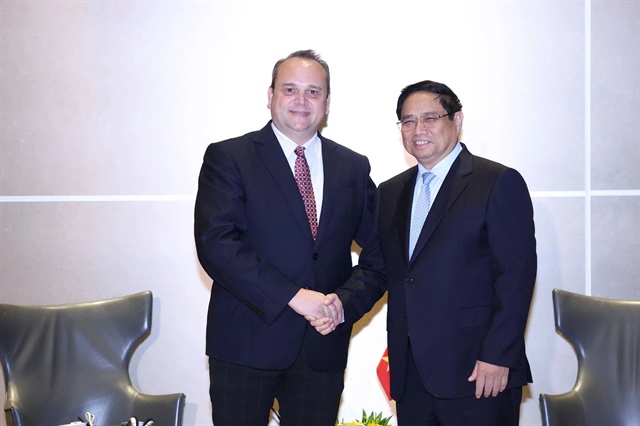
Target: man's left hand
490, 379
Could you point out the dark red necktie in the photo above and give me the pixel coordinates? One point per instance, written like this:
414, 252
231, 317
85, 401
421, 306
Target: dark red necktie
303, 179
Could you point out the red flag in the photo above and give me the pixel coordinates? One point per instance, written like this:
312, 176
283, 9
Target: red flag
383, 373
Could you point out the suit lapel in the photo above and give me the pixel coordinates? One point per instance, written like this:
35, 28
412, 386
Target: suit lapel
403, 211
269, 150
456, 181
332, 165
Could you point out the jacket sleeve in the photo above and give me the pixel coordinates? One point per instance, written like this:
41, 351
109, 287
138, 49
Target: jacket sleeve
220, 222
367, 283
512, 245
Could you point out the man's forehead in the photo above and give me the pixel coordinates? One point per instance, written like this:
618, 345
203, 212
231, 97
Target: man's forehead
421, 103
306, 68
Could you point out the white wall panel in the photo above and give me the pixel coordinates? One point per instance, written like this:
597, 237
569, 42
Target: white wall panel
106, 108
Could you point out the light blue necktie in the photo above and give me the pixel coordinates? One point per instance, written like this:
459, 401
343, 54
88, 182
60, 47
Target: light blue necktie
422, 209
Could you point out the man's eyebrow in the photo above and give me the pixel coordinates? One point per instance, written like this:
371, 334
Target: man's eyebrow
319, 89
407, 116
422, 114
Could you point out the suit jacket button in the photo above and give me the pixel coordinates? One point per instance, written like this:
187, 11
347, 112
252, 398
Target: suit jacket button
408, 280
315, 256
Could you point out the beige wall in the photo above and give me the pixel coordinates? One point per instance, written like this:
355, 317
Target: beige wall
107, 107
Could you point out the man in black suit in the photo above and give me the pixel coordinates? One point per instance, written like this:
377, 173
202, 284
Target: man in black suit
460, 282
273, 256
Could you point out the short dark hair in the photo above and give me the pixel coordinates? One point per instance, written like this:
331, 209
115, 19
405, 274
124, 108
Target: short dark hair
304, 54
448, 100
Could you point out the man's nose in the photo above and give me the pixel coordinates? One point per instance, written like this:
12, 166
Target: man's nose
301, 98
420, 127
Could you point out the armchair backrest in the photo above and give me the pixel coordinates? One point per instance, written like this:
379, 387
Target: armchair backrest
605, 334
61, 361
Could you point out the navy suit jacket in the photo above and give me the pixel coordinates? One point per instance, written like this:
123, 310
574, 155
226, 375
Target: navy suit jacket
253, 239
465, 294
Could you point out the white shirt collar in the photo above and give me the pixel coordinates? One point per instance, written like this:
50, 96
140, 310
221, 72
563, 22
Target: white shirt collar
442, 168
288, 146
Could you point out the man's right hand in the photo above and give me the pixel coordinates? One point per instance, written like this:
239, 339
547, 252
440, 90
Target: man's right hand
325, 326
314, 305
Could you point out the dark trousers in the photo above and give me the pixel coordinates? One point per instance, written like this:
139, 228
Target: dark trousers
418, 407
243, 396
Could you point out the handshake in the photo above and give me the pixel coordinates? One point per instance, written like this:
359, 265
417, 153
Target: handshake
324, 312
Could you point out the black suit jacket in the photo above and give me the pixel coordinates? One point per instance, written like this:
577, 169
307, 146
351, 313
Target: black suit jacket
253, 239
465, 294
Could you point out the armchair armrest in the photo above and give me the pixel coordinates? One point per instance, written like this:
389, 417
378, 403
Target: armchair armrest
563, 409
165, 410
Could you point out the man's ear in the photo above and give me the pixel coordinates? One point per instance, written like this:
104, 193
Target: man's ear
269, 96
458, 118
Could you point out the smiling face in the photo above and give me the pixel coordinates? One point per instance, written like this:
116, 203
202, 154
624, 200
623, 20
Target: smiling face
299, 99
429, 145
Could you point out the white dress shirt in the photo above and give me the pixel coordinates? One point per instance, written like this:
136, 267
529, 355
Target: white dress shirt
440, 170
313, 154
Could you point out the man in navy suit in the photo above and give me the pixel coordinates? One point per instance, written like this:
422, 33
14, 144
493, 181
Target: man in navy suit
272, 262
459, 282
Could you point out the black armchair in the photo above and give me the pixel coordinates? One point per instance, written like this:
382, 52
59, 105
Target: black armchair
605, 334
61, 361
